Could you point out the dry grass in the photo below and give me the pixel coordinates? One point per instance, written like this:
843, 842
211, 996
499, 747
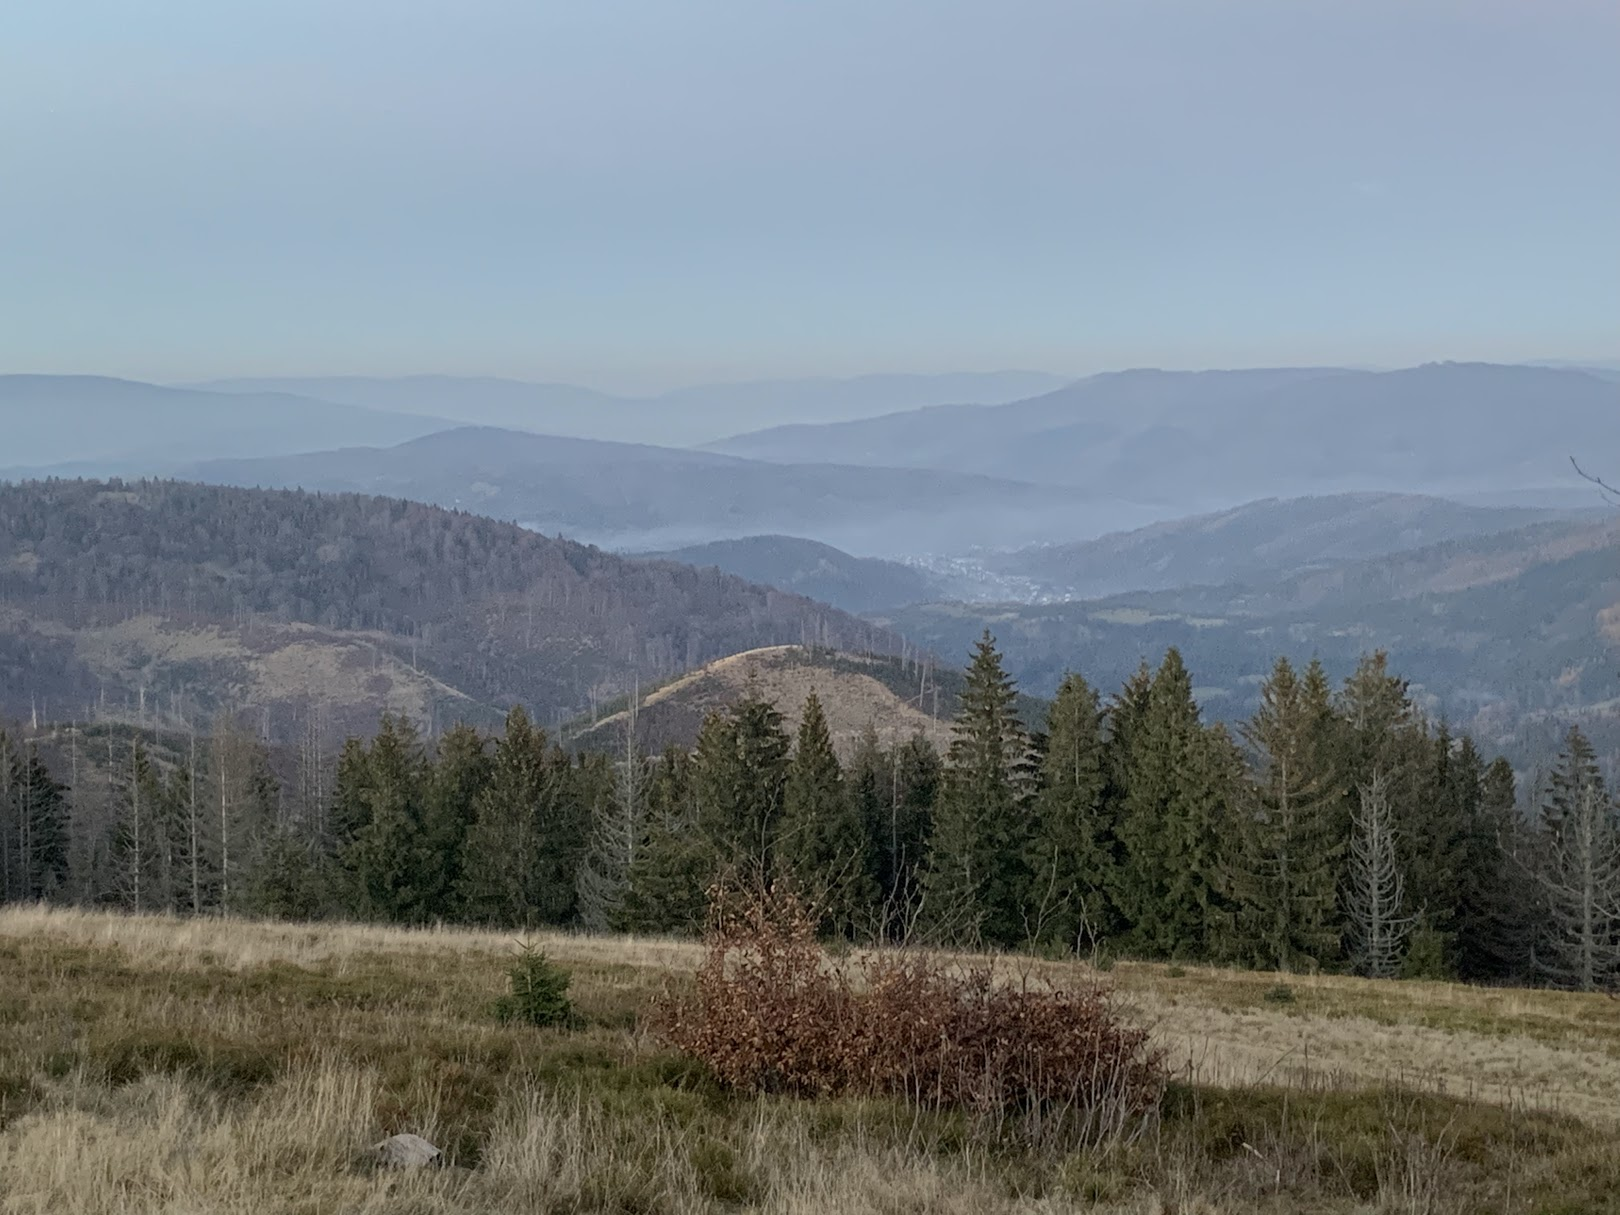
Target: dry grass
150, 1065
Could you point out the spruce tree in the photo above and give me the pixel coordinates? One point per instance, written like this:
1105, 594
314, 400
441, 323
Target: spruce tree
619, 818
1495, 914
1072, 858
33, 827
977, 878
137, 842
523, 846
385, 858
460, 773
1122, 721
916, 778
1178, 782
1437, 830
350, 807
1284, 866
670, 877
822, 845
894, 792
739, 768
1579, 873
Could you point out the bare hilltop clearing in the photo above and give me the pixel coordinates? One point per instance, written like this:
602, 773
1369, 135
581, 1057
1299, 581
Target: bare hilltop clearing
150, 1064
895, 700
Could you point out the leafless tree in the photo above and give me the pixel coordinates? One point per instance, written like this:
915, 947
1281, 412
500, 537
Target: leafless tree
1376, 893
1579, 873
616, 834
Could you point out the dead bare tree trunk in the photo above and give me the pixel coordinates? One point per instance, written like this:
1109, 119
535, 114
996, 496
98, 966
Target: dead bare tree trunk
1579, 874
1375, 892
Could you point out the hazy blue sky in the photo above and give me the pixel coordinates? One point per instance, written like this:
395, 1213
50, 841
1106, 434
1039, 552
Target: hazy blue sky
641, 191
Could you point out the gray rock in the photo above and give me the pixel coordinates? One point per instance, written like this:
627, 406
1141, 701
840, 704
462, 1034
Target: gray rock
407, 1152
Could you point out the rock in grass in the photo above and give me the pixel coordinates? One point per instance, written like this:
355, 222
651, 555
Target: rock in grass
407, 1152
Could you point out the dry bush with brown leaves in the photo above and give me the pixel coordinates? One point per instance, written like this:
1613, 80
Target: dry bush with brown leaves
771, 1012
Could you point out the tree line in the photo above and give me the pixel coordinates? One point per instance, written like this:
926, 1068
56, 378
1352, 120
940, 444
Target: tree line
1336, 829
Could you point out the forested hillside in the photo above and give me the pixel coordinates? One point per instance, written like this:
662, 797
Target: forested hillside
169, 601
1258, 541
856, 584
1337, 827
1511, 635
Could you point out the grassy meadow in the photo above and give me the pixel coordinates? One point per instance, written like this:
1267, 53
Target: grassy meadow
157, 1065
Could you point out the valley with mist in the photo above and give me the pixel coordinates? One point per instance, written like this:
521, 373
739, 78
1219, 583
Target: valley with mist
1478, 558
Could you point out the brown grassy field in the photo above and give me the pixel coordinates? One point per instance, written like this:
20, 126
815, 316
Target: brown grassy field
154, 1065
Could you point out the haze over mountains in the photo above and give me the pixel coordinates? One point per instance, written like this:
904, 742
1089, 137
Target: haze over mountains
1205, 440
1104, 454
679, 417
637, 497
1090, 525
101, 424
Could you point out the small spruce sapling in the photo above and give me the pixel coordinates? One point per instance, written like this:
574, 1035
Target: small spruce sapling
539, 994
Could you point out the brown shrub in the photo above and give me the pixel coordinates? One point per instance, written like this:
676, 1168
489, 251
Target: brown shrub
770, 1012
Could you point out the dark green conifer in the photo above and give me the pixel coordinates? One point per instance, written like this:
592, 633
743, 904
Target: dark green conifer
1072, 858
1283, 866
525, 842
977, 879
739, 768
670, 876
1178, 784
459, 775
1498, 912
822, 845
384, 857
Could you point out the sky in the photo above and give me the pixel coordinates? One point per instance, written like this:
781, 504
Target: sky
639, 194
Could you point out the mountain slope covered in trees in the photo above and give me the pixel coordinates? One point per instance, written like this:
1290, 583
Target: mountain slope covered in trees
1256, 541
173, 601
1511, 635
806, 567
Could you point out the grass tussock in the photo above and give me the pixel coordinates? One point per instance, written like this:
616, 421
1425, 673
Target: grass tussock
161, 1066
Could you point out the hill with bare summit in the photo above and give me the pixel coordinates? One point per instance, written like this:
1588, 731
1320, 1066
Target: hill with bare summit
897, 699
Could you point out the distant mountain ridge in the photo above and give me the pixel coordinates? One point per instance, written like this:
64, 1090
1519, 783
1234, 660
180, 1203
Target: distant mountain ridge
1191, 441
676, 418
105, 422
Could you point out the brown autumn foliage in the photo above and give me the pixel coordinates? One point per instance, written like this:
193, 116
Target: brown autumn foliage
771, 1012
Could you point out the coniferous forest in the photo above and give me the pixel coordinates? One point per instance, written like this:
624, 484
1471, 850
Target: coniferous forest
1336, 829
